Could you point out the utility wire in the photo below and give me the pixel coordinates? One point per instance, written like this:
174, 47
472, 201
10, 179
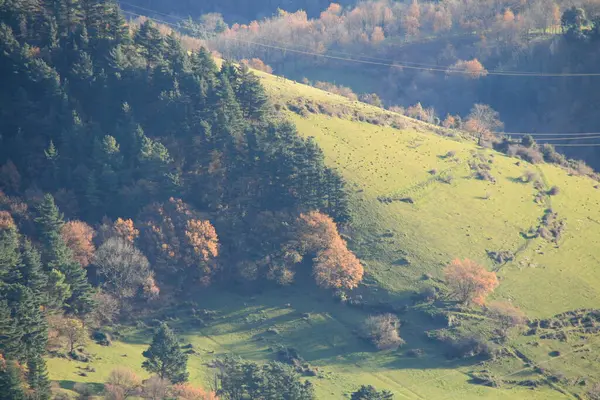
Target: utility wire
387, 64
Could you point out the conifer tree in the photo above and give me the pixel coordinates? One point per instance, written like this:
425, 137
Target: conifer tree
58, 256
164, 356
30, 327
37, 378
11, 384
32, 273
9, 337
251, 94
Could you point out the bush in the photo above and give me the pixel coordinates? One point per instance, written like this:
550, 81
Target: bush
339, 90
530, 154
382, 331
554, 190
529, 176
552, 156
506, 314
102, 338
470, 346
427, 294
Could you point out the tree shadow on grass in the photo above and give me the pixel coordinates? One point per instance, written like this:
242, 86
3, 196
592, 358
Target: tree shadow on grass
96, 387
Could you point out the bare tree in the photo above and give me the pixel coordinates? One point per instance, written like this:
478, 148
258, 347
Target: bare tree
155, 388
382, 330
122, 383
483, 121
123, 268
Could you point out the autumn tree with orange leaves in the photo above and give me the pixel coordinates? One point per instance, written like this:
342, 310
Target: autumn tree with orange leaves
177, 240
78, 236
185, 391
469, 282
334, 265
125, 229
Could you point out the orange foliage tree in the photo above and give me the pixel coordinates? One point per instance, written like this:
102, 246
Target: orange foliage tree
472, 69
78, 237
178, 240
6, 220
469, 282
377, 36
125, 229
185, 391
335, 266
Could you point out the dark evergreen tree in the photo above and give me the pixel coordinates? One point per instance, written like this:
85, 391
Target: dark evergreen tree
9, 335
11, 383
59, 257
37, 378
151, 41
164, 356
370, 393
251, 94
30, 326
32, 274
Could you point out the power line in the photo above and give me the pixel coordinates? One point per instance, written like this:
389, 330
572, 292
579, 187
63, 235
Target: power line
570, 138
152, 11
387, 64
554, 134
577, 145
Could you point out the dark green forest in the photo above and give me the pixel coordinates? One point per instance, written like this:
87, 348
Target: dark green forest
102, 125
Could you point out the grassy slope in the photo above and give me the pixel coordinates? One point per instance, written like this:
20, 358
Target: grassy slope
399, 242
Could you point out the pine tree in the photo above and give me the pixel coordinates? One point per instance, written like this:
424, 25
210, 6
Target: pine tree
175, 54
29, 323
11, 384
37, 378
9, 337
202, 63
251, 94
151, 41
32, 273
118, 29
164, 356
50, 222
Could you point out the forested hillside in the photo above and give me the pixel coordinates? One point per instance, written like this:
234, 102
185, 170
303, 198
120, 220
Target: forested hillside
532, 61
174, 225
133, 170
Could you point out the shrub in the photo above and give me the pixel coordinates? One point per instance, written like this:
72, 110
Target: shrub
428, 293
471, 345
552, 156
529, 176
506, 314
530, 154
554, 190
339, 90
382, 331
372, 99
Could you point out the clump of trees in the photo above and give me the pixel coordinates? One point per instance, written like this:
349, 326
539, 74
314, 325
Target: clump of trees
370, 393
239, 379
334, 265
468, 282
